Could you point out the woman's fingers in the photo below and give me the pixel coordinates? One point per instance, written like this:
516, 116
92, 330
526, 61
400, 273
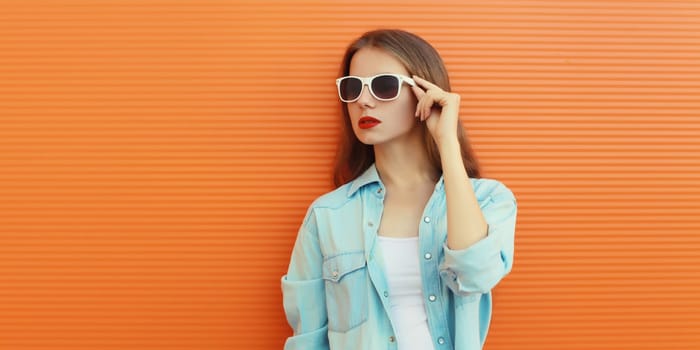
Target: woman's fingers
419, 95
424, 83
426, 100
427, 105
419, 109
424, 106
418, 91
428, 95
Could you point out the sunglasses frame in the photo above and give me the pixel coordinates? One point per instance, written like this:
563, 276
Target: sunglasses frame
368, 81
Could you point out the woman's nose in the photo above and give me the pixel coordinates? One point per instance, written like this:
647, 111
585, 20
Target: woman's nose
366, 98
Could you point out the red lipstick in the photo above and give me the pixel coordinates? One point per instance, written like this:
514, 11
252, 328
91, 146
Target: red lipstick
367, 122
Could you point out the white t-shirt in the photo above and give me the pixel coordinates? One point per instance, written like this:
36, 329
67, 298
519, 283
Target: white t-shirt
408, 314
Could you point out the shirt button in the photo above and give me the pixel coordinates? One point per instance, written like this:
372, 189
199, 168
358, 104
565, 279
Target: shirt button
370, 224
426, 219
427, 256
392, 339
432, 298
379, 190
386, 294
335, 273
441, 340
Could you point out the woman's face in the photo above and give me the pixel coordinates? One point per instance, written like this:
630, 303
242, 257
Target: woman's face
396, 117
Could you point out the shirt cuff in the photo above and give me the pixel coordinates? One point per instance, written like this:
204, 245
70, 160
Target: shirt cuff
476, 269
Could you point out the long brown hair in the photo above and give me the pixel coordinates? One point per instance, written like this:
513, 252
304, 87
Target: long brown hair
420, 59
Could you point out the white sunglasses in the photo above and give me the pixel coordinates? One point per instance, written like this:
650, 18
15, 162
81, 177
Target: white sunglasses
384, 87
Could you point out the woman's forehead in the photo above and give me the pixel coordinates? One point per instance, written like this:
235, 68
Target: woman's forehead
369, 61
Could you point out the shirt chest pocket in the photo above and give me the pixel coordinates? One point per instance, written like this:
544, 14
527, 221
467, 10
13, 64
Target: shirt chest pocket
347, 285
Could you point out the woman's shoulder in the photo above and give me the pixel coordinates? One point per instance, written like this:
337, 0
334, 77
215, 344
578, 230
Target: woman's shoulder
485, 188
333, 199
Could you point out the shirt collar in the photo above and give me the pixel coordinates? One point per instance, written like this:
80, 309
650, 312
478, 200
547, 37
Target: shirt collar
371, 175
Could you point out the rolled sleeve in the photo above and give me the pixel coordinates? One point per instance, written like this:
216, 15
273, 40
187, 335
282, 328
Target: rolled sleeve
478, 268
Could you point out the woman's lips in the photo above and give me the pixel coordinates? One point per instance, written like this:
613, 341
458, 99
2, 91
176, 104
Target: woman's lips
367, 122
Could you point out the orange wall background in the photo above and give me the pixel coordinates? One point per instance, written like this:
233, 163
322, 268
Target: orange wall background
157, 158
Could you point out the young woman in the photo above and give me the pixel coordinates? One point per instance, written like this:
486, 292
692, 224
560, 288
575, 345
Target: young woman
404, 253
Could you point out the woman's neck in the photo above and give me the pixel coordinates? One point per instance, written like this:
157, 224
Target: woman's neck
404, 165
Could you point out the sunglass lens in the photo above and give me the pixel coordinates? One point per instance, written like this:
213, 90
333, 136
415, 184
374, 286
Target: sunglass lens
385, 86
350, 88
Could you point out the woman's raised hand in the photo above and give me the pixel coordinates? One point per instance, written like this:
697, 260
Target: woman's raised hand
438, 108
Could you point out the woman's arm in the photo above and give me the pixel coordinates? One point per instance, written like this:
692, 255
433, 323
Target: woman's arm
480, 221
465, 222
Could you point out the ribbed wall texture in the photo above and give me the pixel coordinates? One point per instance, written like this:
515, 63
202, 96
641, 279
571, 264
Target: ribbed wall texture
157, 158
